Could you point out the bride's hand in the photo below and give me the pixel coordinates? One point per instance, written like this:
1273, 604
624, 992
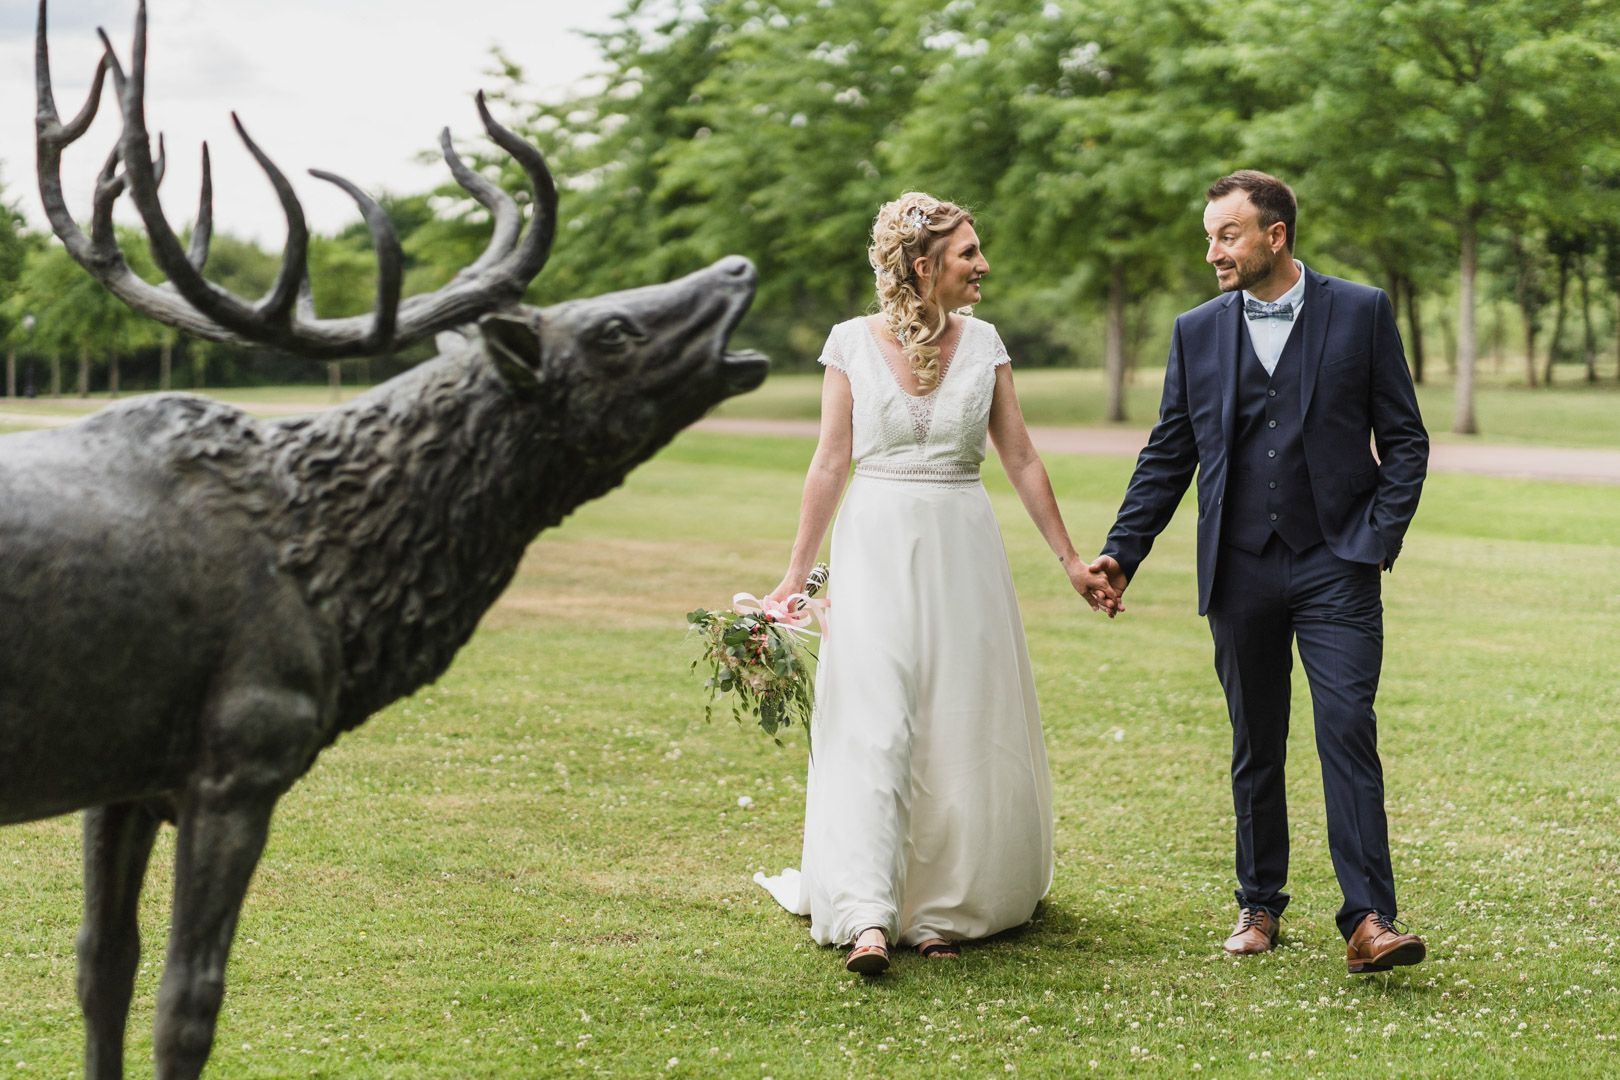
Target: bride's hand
787, 587
1093, 586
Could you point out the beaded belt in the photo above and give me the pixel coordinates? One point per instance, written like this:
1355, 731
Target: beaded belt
920, 472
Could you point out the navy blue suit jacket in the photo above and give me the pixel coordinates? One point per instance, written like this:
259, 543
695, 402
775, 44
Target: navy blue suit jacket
1354, 382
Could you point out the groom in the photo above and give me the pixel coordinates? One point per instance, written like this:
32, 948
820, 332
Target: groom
1270, 394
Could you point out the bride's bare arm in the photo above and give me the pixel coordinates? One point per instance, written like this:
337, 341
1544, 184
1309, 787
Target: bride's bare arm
1034, 487
829, 471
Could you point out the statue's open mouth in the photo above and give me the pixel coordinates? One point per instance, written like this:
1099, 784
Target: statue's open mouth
745, 369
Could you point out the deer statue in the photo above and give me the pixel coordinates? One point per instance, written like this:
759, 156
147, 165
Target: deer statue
194, 603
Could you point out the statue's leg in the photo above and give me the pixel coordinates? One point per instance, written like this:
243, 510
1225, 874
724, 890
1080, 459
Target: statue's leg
117, 843
220, 837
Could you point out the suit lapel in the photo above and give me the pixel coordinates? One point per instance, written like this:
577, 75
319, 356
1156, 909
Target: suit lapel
1228, 328
1318, 310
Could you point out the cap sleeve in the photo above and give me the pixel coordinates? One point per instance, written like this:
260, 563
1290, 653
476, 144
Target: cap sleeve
832, 353
998, 350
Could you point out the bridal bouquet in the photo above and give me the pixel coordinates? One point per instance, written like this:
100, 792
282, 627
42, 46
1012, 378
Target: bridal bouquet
756, 652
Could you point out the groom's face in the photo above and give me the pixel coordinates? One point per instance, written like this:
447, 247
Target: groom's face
1242, 253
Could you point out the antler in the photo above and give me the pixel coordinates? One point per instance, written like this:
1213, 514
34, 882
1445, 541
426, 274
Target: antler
285, 316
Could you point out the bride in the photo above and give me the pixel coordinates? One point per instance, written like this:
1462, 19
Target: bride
928, 816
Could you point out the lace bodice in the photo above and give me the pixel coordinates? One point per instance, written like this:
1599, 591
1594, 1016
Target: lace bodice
935, 436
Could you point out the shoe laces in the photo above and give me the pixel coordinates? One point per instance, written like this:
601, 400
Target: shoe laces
1252, 917
1393, 925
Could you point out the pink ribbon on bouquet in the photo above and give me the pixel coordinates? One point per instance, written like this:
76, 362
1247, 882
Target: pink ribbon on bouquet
796, 613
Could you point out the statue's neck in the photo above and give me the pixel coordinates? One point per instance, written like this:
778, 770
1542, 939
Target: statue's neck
414, 506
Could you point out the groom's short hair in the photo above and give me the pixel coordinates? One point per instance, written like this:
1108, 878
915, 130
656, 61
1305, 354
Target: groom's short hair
1270, 196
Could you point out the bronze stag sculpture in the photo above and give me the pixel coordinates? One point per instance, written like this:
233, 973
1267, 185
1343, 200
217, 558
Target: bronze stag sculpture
195, 603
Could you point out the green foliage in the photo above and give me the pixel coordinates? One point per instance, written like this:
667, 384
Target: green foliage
14, 244
1083, 133
74, 313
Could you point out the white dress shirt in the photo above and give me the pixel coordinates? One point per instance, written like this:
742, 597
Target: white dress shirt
1268, 336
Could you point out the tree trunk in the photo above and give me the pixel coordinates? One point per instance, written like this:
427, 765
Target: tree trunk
1414, 329
165, 362
1530, 352
334, 374
1522, 297
84, 372
1115, 349
112, 376
1139, 329
1529, 347
11, 372
56, 376
1588, 343
1498, 337
1463, 422
1558, 320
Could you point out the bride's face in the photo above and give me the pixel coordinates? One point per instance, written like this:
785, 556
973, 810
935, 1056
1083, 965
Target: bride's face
956, 281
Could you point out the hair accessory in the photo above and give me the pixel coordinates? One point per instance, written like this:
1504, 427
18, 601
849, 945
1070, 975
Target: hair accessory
915, 218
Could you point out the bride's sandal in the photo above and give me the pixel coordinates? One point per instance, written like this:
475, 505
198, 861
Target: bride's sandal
940, 949
867, 959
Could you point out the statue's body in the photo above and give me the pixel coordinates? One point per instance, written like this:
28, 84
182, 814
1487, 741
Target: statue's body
197, 602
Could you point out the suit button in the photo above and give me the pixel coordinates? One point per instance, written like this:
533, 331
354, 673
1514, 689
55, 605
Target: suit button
1271, 423
1271, 393
1271, 453
1273, 484
1273, 517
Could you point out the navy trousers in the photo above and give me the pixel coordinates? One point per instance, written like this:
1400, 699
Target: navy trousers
1261, 605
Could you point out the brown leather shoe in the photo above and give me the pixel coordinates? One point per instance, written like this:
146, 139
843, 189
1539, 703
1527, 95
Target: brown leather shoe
1256, 932
1377, 945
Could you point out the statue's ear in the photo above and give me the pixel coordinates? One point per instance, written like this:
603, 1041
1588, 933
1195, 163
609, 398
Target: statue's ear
513, 344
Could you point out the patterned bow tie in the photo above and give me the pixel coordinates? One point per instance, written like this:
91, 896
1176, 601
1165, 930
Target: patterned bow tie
1255, 309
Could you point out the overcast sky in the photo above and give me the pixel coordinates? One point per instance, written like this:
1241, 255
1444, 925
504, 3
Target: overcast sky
356, 87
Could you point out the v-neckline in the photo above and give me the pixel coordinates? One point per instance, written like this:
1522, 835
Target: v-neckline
945, 364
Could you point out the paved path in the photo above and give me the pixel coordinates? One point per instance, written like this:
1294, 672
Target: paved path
1480, 459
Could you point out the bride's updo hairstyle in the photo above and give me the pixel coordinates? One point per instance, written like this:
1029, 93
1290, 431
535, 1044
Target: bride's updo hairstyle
912, 226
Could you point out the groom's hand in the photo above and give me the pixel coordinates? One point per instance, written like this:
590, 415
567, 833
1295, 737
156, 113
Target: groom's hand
1109, 568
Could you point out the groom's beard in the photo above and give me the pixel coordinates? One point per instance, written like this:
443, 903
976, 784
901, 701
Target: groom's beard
1250, 272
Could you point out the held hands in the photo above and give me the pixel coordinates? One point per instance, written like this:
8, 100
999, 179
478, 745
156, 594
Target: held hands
1107, 568
1092, 585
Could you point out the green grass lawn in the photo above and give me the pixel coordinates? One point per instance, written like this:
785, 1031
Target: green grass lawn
277, 398
539, 866
1570, 414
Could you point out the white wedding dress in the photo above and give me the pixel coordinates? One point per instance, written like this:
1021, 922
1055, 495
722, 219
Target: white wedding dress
929, 805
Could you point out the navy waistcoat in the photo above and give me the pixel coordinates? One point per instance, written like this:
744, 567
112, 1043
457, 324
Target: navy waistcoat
1269, 487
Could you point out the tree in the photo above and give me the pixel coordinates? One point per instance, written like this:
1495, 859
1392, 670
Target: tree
1480, 111
78, 317
1092, 130
1611, 276
13, 257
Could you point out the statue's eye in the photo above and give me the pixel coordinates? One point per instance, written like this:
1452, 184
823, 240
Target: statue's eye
618, 334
